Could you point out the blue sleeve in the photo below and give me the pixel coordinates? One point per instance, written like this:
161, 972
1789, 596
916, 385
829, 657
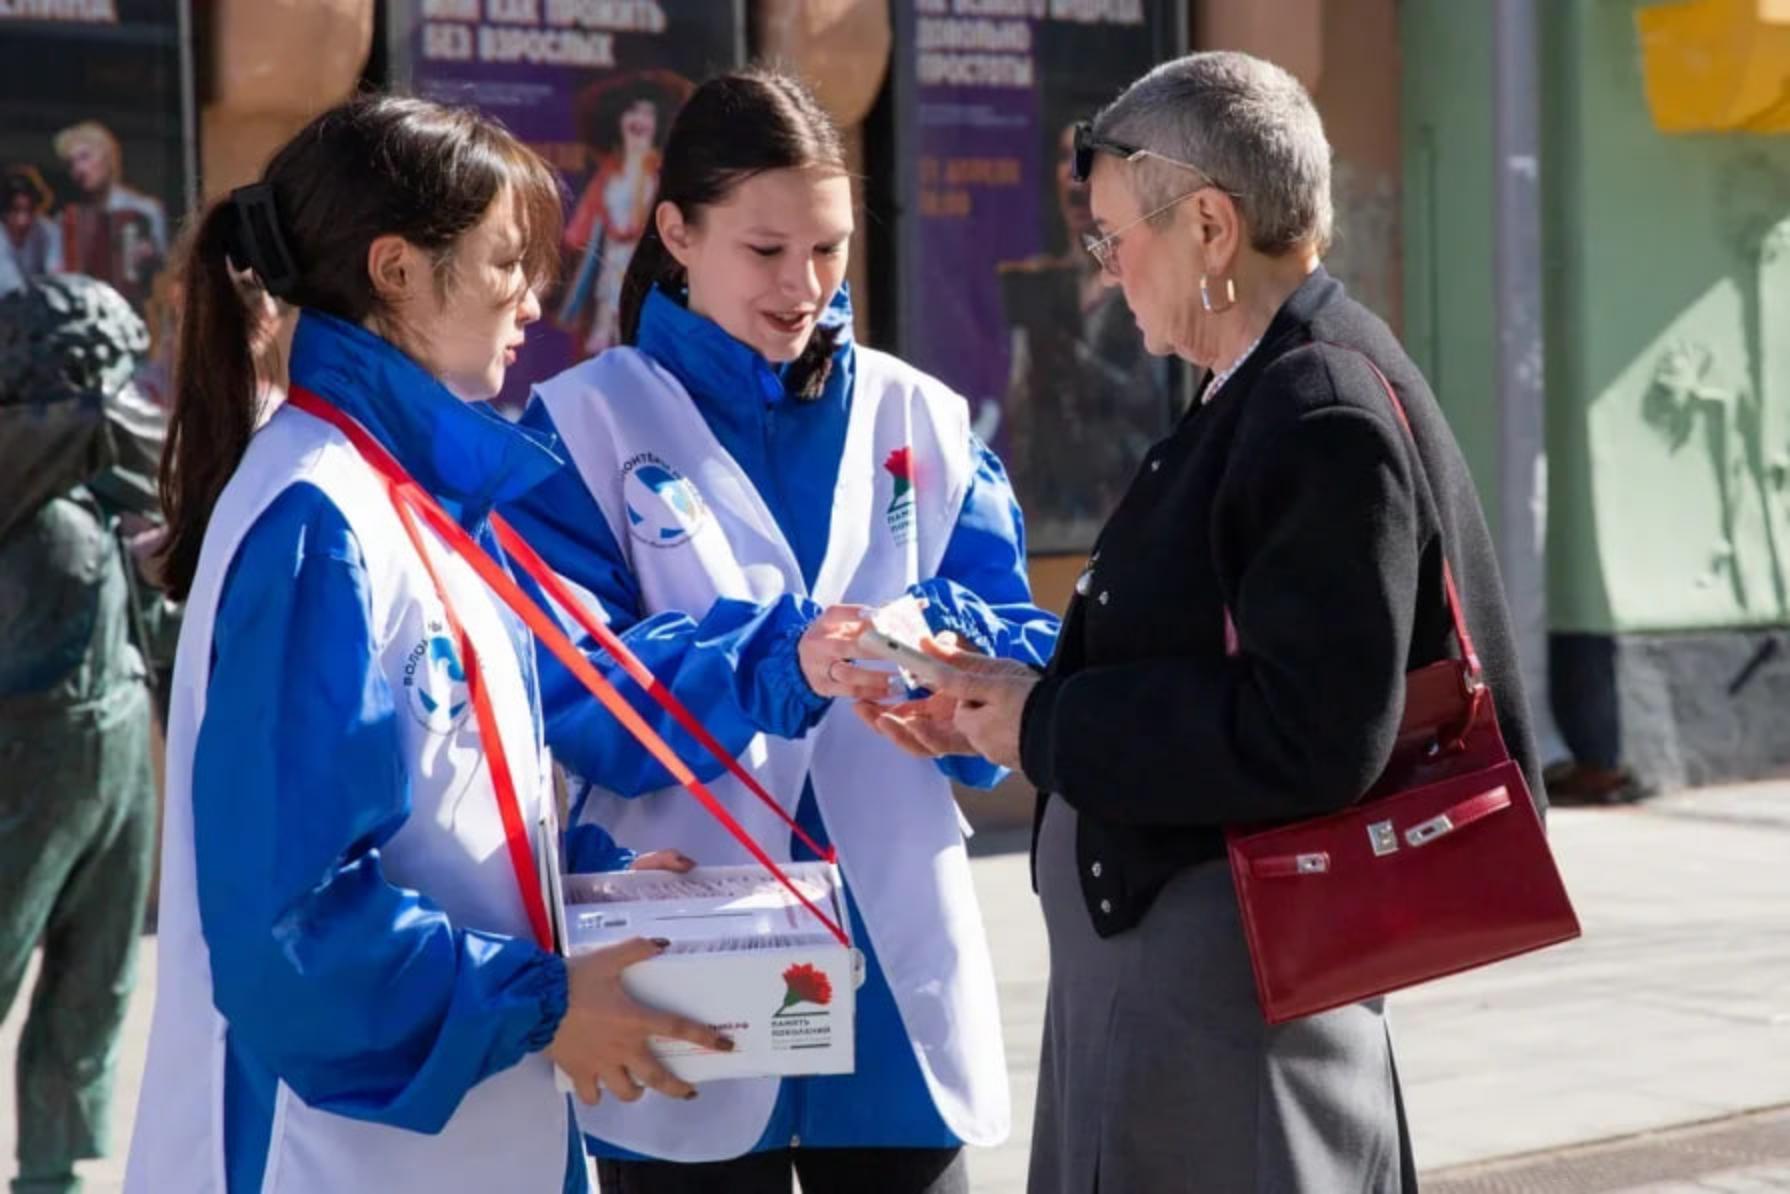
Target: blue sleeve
589, 849
361, 995
735, 666
981, 592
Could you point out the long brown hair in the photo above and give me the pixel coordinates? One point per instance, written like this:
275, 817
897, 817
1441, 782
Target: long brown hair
374, 166
732, 127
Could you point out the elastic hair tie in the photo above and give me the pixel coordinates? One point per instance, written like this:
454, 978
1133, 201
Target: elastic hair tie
257, 243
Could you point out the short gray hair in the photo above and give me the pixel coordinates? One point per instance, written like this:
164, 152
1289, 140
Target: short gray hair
1245, 123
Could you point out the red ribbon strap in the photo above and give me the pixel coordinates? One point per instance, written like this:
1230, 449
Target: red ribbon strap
519, 550
515, 829
408, 495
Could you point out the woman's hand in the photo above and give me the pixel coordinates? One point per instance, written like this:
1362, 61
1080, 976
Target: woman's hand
603, 1040
925, 729
828, 652
990, 696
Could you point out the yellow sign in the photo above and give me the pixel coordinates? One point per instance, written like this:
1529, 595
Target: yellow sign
1717, 65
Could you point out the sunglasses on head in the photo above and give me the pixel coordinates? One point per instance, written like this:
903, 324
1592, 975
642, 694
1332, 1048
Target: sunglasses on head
1087, 144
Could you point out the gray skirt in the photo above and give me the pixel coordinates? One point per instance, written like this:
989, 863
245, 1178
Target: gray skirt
1159, 1076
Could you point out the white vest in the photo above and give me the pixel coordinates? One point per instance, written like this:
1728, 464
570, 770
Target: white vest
509, 1133
694, 529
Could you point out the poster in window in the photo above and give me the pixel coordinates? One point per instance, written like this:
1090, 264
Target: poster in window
592, 85
96, 148
997, 295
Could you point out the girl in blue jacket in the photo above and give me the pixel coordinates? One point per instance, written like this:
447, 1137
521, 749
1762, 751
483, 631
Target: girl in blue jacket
743, 482
354, 991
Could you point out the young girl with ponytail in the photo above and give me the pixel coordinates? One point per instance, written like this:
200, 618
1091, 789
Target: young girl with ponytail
744, 479
356, 991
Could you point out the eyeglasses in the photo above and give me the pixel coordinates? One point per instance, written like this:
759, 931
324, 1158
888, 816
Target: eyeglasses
1101, 248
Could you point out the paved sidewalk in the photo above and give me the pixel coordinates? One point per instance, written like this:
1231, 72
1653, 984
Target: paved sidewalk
1674, 1009
1734, 1154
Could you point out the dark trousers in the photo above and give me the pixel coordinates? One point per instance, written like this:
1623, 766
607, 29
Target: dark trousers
77, 842
821, 1170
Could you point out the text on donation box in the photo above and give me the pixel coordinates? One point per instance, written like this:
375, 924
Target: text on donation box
746, 957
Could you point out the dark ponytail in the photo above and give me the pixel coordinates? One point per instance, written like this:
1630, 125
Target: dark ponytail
732, 127
374, 166
652, 265
215, 395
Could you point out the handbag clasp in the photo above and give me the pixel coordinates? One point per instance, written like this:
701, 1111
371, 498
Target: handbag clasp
1429, 830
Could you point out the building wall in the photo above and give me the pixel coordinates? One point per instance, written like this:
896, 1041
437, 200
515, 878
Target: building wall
1348, 56
1668, 367
1667, 292
1447, 209
1358, 92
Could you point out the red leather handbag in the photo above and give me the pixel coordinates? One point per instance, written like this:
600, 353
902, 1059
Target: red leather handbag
1441, 867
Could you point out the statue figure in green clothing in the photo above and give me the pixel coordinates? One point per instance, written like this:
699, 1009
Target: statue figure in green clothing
78, 453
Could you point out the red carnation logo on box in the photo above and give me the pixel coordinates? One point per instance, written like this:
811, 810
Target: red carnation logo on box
804, 983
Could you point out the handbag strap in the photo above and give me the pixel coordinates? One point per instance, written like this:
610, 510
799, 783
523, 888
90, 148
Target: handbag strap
409, 496
1469, 653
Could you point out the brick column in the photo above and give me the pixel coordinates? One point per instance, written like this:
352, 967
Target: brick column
1289, 33
275, 64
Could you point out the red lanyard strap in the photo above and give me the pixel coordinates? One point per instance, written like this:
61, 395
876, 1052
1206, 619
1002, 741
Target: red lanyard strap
406, 493
515, 830
519, 550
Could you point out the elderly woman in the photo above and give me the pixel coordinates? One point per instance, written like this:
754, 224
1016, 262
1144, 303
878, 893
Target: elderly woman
1235, 654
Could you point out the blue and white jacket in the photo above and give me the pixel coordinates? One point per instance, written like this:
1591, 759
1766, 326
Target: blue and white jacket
733, 660
347, 992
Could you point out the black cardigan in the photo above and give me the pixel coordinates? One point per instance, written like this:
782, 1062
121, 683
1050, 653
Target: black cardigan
1293, 498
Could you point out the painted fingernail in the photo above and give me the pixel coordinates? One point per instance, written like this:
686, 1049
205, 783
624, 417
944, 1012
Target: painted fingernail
662, 942
689, 1096
725, 1044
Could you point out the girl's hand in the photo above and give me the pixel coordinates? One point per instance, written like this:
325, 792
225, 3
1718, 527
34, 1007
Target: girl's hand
604, 1040
828, 654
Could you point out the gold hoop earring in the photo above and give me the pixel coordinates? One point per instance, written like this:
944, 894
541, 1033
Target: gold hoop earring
1230, 296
